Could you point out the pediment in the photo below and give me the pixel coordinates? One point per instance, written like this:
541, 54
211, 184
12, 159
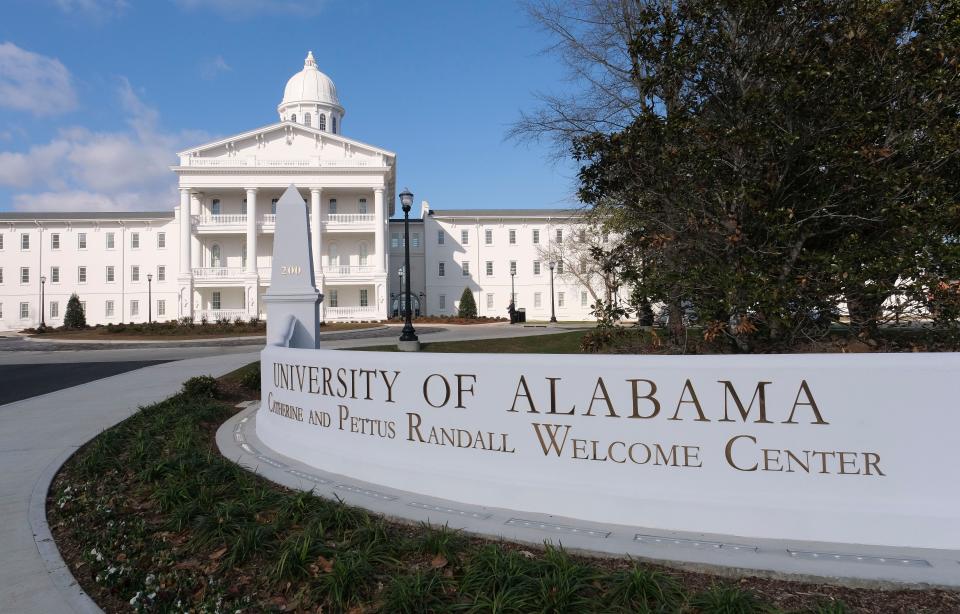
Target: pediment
288, 141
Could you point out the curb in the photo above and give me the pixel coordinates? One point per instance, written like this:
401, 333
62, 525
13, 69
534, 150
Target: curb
57, 569
254, 339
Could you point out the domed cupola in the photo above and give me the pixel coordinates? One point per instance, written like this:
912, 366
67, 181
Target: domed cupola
310, 98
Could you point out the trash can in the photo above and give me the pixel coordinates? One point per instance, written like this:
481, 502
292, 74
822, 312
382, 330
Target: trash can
522, 315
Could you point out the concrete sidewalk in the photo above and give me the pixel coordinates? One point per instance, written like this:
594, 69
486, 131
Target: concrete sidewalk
36, 436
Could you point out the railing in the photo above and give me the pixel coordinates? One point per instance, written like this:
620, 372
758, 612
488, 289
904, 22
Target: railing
352, 313
349, 218
286, 163
216, 272
254, 163
269, 218
212, 315
214, 162
342, 270
228, 218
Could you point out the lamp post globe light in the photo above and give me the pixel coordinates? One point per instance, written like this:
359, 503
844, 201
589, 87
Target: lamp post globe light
43, 320
149, 298
553, 315
408, 337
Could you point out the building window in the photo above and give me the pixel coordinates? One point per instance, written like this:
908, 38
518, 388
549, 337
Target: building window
108, 308
560, 267
161, 272
583, 299
363, 297
110, 274
332, 206
333, 124
1, 241
322, 121
24, 275
606, 237
83, 307
513, 267
536, 237
466, 268
243, 255
333, 298
54, 274
1, 311
82, 275
54, 309
134, 272
307, 120
55, 241
536, 267
134, 308
441, 269
161, 240
161, 307
273, 206
442, 300
215, 206
215, 256
439, 237
215, 300
464, 237
293, 117
583, 265
1, 274
489, 300
395, 239
488, 236
362, 206
559, 299
24, 311
333, 256
537, 299
513, 237
134, 240
243, 206
559, 235
24, 241
110, 240
489, 267
363, 254
415, 240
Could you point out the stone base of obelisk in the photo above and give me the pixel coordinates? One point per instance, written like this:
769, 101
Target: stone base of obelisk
408, 346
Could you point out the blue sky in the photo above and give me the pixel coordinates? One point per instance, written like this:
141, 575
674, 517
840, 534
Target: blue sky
96, 96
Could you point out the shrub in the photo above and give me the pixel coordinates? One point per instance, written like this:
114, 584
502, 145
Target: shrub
201, 386
251, 377
237, 321
186, 321
468, 307
74, 317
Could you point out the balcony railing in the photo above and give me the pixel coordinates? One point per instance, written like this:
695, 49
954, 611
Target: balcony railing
226, 218
269, 218
216, 272
212, 315
344, 270
349, 218
352, 313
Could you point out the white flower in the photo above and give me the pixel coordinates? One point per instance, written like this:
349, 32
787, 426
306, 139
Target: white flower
150, 579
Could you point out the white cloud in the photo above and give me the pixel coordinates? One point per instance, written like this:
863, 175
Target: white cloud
86, 170
212, 67
247, 8
35, 83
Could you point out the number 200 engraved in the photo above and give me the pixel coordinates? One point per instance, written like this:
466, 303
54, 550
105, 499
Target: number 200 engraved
292, 269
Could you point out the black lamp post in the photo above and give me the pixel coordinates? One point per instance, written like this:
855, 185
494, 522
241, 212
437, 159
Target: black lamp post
513, 292
553, 316
408, 333
149, 298
43, 320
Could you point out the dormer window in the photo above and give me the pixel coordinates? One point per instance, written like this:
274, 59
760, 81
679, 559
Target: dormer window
306, 119
322, 121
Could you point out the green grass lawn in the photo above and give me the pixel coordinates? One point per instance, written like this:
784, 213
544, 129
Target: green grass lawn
151, 518
559, 343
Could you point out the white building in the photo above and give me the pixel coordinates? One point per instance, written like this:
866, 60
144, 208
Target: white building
210, 256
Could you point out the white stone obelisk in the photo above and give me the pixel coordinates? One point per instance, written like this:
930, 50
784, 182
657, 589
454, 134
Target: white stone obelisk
293, 301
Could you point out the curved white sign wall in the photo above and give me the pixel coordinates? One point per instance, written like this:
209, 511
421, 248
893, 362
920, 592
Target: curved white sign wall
835, 448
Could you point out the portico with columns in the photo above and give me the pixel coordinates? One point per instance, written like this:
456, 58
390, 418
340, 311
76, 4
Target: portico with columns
228, 194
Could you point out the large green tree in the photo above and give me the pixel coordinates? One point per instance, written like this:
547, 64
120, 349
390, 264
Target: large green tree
777, 158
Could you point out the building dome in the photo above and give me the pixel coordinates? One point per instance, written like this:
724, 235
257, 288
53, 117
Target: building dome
310, 98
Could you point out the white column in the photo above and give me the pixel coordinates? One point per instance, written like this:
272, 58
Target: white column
196, 251
251, 231
185, 233
380, 221
315, 238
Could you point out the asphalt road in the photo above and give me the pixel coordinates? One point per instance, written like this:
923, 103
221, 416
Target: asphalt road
29, 380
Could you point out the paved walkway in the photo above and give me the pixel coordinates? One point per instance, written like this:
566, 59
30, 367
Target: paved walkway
38, 434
